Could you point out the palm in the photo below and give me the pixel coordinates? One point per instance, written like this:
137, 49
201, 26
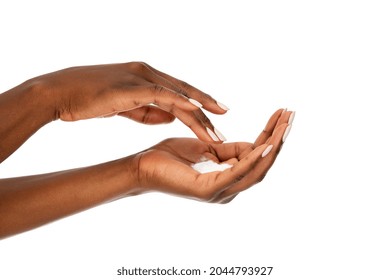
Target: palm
170, 162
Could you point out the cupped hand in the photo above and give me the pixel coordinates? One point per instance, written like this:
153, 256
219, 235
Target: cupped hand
167, 166
134, 90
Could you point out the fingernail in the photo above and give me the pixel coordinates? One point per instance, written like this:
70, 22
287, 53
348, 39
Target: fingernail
222, 106
291, 118
286, 132
220, 135
212, 134
195, 102
267, 150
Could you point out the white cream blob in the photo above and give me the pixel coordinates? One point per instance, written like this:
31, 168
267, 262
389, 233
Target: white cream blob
205, 166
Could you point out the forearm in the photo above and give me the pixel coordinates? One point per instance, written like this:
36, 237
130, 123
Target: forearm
29, 202
23, 110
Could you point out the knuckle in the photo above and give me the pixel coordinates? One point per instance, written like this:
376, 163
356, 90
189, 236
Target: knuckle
189, 88
158, 89
182, 92
137, 66
207, 96
184, 85
238, 178
203, 118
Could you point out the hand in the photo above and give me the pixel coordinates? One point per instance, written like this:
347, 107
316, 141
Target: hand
134, 90
166, 167
31, 201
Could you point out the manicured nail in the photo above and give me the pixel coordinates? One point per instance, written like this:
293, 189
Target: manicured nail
267, 150
222, 106
212, 134
220, 135
291, 118
195, 102
286, 132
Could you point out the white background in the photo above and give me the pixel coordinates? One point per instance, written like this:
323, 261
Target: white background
323, 210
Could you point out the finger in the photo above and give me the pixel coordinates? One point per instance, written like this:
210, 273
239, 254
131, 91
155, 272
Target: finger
197, 116
198, 122
260, 169
166, 82
240, 150
272, 123
149, 115
227, 178
212, 131
243, 151
286, 117
171, 102
131, 97
228, 151
208, 102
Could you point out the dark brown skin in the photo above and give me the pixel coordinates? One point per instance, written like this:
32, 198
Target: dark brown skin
139, 92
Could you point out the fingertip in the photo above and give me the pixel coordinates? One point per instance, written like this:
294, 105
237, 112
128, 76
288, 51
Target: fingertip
195, 103
220, 135
276, 116
286, 133
210, 104
205, 134
222, 106
291, 118
280, 111
285, 117
267, 150
212, 135
278, 134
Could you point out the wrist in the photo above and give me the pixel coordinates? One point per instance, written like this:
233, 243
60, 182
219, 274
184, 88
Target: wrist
23, 110
41, 99
132, 165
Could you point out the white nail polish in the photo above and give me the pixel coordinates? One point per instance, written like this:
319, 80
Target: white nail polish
220, 135
286, 132
291, 118
222, 106
212, 135
195, 102
267, 150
